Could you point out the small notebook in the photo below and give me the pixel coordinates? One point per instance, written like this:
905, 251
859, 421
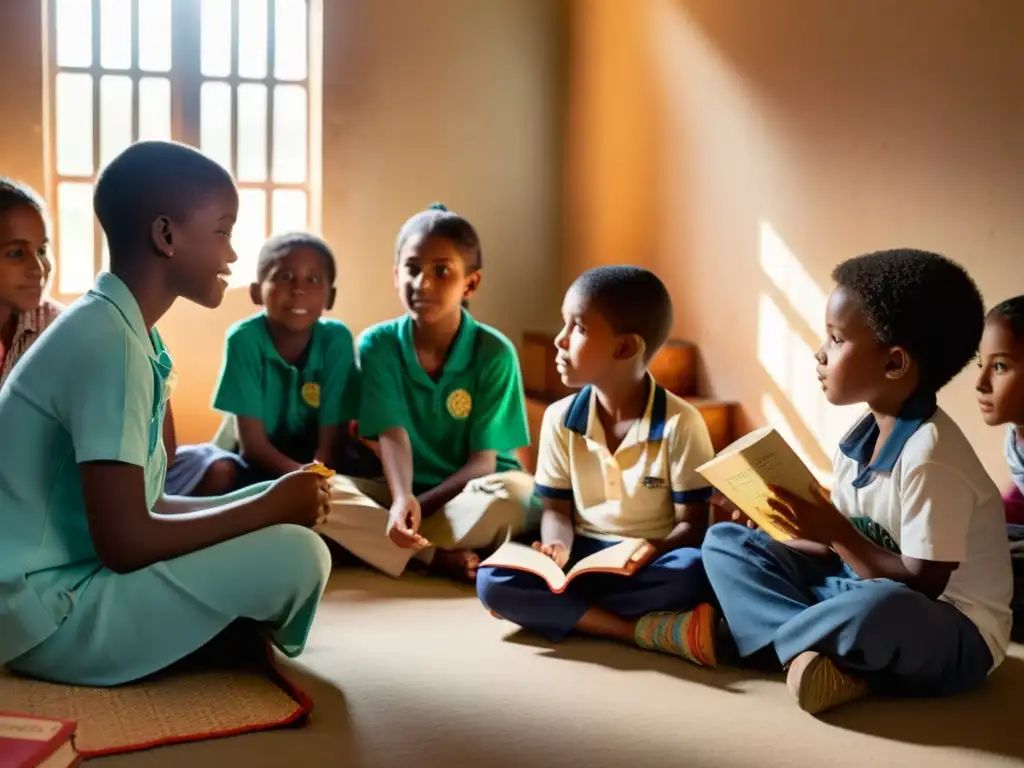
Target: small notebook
743, 471
621, 559
27, 741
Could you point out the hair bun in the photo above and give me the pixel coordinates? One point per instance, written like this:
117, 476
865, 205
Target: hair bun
437, 207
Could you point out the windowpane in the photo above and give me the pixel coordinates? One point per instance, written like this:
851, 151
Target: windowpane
215, 43
155, 109
74, 32
73, 96
155, 35
104, 254
252, 39
215, 122
116, 34
115, 116
252, 132
249, 233
75, 243
290, 134
290, 46
289, 211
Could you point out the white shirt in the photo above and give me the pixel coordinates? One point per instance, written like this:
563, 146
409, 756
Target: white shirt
928, 497
633, 491
1015, 456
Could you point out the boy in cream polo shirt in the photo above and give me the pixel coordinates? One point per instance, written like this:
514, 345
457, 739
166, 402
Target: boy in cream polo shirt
902, 581
617, 460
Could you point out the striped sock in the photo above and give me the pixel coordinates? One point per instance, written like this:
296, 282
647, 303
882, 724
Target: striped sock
690, 635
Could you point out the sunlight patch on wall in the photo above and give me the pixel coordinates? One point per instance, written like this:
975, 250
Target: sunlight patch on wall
783, 268
788, 358
774, 417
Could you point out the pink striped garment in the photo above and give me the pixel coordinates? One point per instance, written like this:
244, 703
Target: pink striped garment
30, 325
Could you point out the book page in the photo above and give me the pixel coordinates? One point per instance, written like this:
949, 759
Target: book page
613, 558
524, 558
743, 476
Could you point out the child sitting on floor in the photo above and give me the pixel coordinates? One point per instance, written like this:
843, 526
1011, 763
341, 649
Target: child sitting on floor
619, 456
289, 374
1001, 399
902, 581
24, 270
104, 579
444, 395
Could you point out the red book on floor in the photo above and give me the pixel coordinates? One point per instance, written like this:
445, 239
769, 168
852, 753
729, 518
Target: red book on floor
36, 742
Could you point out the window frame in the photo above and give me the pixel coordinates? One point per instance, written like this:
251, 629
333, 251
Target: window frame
186, 81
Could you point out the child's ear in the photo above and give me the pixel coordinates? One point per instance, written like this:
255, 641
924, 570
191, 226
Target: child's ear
628, 346
161, 236
472, 284
394, 276
256, 294
332, 294
899, 363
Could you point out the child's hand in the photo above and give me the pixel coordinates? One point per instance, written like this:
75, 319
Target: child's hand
300, 497
734, 513
556, 550
404, 523
818, 521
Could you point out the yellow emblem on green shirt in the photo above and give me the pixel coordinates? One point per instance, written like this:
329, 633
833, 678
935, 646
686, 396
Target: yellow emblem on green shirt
311, 394
459, 404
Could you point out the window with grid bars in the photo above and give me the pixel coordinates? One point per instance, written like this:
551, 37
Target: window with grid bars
231, 77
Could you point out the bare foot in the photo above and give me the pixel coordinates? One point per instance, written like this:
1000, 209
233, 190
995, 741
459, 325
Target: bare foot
458, 564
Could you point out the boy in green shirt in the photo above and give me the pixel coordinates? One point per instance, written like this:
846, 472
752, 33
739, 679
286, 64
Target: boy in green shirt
289, 374
443, 395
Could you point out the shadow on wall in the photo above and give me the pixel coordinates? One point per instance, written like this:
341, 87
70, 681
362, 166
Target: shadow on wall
784, 144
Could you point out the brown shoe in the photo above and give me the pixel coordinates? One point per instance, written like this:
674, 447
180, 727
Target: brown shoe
818, 685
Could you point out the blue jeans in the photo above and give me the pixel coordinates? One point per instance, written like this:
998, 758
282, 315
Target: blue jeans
673, 582
898, 639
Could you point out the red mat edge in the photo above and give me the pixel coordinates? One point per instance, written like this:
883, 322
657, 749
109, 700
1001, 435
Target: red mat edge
300, 697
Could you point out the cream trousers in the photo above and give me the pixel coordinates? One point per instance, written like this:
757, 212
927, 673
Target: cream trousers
484, 514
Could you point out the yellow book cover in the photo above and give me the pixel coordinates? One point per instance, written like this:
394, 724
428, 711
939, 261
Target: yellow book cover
743, 471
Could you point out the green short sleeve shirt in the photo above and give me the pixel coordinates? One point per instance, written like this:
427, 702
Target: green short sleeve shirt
291, 401
476, 404
93, 388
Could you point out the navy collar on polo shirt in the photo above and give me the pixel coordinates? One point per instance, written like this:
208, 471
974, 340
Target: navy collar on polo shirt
859, 444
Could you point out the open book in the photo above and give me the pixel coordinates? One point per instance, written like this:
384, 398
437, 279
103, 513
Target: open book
743, 471
622, 559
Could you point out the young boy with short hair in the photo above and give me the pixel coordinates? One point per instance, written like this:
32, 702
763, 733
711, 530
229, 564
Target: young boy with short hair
902, 581
443, 395
617, 460
25, 266
289, 374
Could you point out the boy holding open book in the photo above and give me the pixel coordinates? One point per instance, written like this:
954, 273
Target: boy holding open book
624, 508
901, 581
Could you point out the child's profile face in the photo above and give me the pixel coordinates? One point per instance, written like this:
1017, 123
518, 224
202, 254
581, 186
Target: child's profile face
24, 259
200, 247
853, 367
1000, 384
432, 279
296, 290
586, 344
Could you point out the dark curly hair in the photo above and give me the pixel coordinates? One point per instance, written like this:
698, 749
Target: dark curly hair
438, 221
632, 300
1011, 311
920, 301
279, 246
